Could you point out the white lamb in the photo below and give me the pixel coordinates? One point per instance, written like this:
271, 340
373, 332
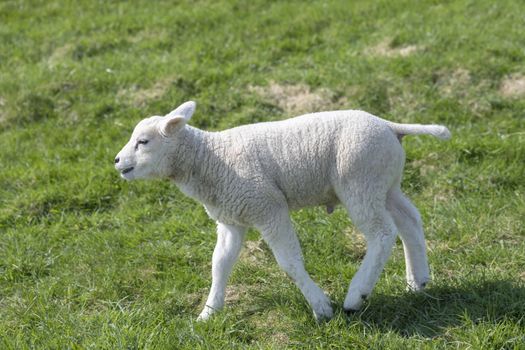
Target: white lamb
253, 175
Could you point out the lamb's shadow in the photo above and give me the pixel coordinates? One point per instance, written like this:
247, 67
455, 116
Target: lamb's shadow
429, 314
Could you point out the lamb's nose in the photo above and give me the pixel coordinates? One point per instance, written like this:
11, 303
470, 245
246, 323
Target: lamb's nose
117, 160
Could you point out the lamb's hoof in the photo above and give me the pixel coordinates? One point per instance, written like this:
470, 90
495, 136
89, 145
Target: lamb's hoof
323, 311
350, 312
324, 317
206, 314
203, 317
354, 301
417, 287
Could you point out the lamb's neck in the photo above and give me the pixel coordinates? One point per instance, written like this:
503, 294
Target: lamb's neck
197, 165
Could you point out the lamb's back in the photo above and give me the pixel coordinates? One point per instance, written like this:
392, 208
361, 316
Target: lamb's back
300, 156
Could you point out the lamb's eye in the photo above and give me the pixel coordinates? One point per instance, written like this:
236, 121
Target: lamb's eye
140, 142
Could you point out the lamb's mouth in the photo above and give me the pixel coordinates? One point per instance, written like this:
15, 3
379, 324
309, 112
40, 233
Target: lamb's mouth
127, 170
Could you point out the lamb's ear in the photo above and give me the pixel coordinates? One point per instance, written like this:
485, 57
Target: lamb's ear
176, 119
185, 110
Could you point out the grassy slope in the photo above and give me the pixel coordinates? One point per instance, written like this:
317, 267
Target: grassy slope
90, 261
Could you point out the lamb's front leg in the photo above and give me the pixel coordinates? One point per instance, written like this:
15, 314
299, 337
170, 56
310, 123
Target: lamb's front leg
282, 239
229, 243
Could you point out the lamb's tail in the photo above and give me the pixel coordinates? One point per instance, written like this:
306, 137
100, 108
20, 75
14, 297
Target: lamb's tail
438, 131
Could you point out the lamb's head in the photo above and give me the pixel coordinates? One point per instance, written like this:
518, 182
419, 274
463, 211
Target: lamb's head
144, 156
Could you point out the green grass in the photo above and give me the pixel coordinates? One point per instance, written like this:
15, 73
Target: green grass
90, 261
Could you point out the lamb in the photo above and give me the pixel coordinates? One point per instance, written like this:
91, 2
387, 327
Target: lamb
254, 175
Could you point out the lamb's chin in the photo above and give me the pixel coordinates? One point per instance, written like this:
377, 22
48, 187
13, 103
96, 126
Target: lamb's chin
127, 176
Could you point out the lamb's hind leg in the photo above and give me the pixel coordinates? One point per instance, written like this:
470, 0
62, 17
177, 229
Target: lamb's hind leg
374, 221
282, 240
408, 222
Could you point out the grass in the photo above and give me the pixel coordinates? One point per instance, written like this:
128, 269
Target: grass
90, 261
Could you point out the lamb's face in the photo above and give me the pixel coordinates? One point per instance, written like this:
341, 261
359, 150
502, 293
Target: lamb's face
142, 157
